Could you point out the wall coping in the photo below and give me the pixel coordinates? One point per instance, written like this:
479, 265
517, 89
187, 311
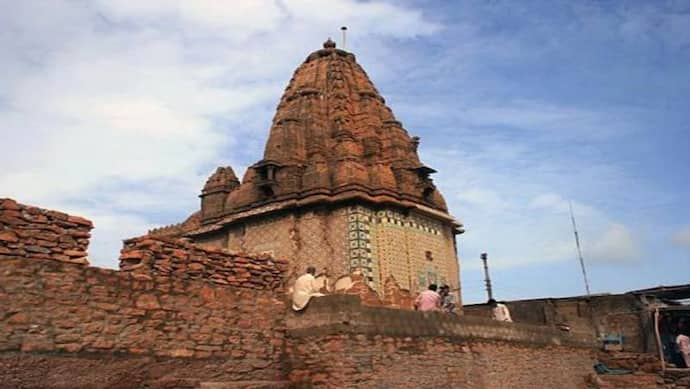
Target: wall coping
344, 314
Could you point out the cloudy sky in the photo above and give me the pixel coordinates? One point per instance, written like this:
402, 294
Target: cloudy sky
119, 110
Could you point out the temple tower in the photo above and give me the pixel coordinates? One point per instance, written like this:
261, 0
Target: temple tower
340, 186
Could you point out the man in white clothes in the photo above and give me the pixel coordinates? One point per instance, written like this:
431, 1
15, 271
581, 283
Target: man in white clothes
305, 288
500, 311
683, 343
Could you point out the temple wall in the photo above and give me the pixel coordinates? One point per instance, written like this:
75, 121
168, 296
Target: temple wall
316, 237
416, 250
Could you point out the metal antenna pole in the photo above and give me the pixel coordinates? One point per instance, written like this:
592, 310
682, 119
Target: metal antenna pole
344, 30
487, 279
579, 250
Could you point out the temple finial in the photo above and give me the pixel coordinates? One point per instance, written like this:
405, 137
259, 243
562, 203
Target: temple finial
329, 44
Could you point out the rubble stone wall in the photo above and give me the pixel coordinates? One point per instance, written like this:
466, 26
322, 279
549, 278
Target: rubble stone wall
606, 314
387, 348
36, 233
148, 257
181, 315
50, 306
171, 300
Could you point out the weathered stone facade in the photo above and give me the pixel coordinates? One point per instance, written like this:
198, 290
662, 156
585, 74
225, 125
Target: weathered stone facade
340, 186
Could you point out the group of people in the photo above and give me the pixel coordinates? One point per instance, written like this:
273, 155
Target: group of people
432, 299
435, 299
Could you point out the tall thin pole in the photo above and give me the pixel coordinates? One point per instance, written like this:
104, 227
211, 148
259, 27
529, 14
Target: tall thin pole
344, 30
579, 250
487, 279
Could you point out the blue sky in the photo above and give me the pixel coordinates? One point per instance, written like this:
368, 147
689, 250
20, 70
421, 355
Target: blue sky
118, 111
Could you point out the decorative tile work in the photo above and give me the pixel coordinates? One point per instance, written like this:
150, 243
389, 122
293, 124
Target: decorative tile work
359, 238
415, 249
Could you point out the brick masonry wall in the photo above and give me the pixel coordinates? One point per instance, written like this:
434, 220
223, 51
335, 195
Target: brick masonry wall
171, 300
180, 315
607, 314
49, 306
31, 232
386, 348
147, 257
366, 361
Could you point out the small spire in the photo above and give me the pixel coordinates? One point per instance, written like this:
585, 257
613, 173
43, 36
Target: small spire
329, 44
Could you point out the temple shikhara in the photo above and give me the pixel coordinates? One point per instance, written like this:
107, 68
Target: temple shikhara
340, 186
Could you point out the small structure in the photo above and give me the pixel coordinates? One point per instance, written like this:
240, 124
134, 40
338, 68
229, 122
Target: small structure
624, 322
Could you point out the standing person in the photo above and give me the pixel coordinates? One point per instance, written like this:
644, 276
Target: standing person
683, 343
447, 300
428, 300
500, 311
304, 289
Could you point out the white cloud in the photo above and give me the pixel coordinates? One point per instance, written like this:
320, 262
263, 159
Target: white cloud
681, 237
616, 245
118, 110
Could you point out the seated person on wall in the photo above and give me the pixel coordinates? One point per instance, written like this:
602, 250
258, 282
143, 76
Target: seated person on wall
305, 288
447, 300
500, 311
428, 300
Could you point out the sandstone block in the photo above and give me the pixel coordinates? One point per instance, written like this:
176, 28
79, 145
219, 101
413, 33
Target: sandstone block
37, 342
75, 253
9, 204
37, 249
8, 236
147, 301
181, 353
80, 221
18, 318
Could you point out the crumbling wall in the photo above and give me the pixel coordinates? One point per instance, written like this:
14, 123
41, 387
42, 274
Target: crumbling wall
148, 257
172, 300
181, 315
30, 232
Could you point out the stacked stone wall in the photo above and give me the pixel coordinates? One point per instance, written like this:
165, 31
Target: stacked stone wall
386, 348
172, 301
179, 315
36, 233
607, 314
50, 306
148, 257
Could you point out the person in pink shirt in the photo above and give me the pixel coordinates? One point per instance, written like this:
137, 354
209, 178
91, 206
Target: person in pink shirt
428, 300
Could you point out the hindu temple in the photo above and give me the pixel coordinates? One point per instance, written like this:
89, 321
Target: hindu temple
340, 186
